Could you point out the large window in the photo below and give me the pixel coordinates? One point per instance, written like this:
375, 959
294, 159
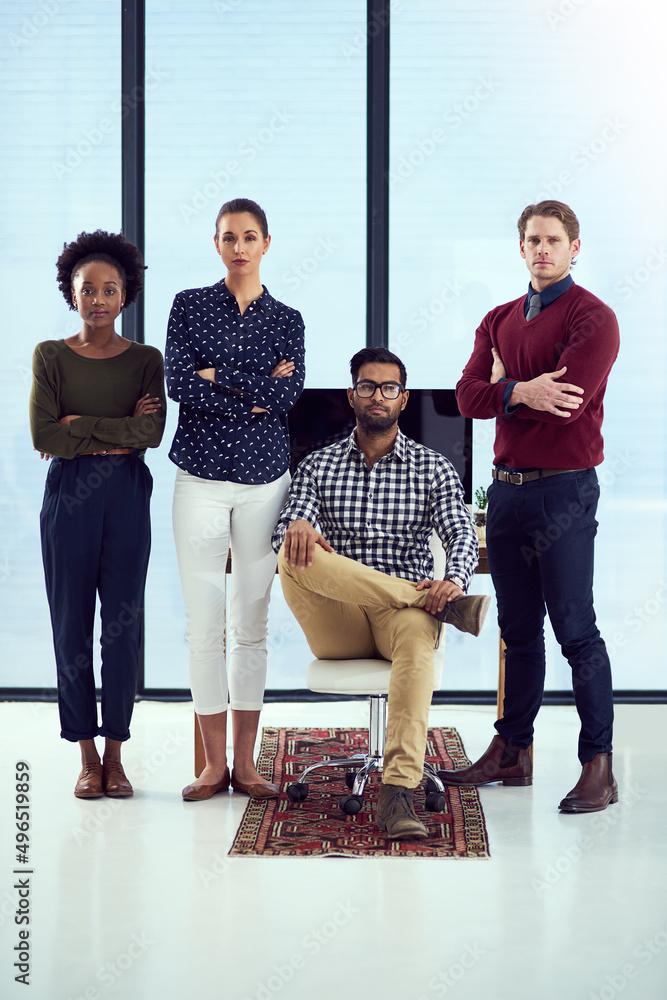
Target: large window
492, 106
253, 100
495, 106
60, 129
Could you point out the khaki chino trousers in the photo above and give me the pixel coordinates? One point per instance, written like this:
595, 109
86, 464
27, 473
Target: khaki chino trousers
348, 610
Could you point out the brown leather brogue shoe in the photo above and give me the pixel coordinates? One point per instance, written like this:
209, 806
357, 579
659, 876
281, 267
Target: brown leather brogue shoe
115, 781
256, 790
89, 782
396, 814
595, 789
501, 762
199, 793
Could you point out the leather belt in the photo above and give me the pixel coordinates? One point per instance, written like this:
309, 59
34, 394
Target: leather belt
110, 451
519, 478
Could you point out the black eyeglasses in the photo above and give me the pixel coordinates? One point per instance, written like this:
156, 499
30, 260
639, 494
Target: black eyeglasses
365, 389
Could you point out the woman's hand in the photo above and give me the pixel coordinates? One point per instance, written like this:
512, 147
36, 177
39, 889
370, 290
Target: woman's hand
283, 369
146, 405
207, 373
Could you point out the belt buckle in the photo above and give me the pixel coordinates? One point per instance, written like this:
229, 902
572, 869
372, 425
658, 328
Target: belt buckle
516, 478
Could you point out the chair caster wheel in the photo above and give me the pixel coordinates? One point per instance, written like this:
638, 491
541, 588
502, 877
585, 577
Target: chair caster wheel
349, 778
436, 802
297, 791
351, 804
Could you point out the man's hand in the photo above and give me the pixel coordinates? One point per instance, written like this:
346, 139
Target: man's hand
300, 541
498, 368
440, 592
66, 421
544, 393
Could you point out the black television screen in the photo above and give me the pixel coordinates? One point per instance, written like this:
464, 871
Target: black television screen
323, 416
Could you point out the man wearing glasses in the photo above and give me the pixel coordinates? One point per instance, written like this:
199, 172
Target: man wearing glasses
356, 565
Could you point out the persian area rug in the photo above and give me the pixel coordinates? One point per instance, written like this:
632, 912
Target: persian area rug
317, 827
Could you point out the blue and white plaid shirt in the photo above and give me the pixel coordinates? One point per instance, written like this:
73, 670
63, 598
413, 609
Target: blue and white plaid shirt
384, 516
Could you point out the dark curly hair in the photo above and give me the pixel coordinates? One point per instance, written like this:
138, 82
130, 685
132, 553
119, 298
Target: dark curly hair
112, 248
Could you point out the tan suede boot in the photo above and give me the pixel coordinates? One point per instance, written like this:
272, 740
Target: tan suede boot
396, 814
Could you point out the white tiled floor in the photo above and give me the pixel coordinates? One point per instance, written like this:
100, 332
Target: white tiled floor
137, 899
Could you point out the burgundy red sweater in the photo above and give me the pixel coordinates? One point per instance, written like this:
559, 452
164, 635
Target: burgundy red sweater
578, 331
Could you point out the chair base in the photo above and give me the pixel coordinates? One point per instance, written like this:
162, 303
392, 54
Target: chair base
363, 765
360, 766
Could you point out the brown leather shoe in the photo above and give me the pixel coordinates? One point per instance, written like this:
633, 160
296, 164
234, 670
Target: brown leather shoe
256, 790
115, 780
396, 814
198, 793
89, 782
595, 789
501, 762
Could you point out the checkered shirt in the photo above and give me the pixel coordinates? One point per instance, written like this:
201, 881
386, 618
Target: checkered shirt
384, 516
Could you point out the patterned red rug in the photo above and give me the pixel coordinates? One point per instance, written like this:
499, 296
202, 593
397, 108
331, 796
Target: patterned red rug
317, 827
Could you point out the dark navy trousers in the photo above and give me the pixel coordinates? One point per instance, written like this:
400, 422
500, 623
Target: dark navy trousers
540, 539
95, 529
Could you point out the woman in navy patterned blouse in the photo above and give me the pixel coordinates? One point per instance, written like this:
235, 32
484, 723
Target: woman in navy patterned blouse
235, 364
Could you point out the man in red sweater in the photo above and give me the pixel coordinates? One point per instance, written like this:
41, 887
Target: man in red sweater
541, 516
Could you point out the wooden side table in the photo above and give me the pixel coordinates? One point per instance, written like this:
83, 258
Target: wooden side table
483, 567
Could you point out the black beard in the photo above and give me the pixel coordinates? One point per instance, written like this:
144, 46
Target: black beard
374, 425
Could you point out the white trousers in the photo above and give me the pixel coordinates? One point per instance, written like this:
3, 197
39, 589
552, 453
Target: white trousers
210, 517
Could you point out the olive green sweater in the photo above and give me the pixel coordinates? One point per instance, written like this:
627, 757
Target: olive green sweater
104, 391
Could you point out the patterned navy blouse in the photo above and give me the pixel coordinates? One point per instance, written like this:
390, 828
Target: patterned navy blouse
218, 437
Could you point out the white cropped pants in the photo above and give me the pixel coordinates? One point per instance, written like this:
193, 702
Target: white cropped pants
210, 517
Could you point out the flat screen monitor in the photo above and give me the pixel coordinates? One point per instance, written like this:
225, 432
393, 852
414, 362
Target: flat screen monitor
323, 416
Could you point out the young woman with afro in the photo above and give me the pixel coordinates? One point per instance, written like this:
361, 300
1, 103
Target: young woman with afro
97, 404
